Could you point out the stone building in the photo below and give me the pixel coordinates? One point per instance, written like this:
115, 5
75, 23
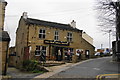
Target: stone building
4, 40
12, 57
34, 37
2, 13
87, 37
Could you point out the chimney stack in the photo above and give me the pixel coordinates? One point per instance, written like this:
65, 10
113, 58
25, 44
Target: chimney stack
3, 5
25, 16
73, 24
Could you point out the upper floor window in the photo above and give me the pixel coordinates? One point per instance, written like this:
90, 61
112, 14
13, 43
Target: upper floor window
69, 37
56, 35
42, 34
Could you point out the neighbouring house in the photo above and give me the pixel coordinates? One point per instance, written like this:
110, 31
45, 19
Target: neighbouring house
87, 37
34, 37
4, 40
12, 57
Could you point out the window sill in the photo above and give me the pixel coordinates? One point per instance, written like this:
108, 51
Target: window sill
70, 41
37, 55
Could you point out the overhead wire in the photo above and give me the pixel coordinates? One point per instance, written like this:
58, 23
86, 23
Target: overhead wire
55, 13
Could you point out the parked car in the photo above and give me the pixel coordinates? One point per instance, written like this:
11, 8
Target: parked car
97, 54
111, 53
100, 54
103, 54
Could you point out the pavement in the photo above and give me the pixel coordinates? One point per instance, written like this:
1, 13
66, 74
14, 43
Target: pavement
13, 73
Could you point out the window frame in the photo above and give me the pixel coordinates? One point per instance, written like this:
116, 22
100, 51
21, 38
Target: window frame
39, 48
42, 32
56, 35
69, 36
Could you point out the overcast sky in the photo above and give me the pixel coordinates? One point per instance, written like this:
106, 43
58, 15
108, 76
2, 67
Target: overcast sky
61, 11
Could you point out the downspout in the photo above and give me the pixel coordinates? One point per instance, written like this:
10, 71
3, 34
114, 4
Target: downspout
28, 40
49, 50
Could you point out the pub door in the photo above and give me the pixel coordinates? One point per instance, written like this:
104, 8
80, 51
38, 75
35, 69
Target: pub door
58, 52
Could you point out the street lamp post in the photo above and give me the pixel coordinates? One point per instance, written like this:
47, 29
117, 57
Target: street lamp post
109, 41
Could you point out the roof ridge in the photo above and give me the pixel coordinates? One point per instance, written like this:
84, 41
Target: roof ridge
49, 21
51, 24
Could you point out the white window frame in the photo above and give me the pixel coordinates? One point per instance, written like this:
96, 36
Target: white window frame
42, 34
69, 37
56, 35
40, 48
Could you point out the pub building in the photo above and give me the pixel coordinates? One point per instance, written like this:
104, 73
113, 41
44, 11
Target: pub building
35, 37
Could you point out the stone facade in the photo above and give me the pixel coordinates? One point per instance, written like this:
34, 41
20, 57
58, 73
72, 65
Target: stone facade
33, 35
12, 57
2, 13
4, 40
87, 38
4, 48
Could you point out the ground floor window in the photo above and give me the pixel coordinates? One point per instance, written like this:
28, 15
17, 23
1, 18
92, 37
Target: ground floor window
69, 49
68, 53
40, 50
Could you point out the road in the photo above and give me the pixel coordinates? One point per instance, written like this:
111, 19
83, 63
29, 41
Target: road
90, 69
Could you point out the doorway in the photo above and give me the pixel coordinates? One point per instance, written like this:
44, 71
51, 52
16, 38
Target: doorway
58, 53
87, 53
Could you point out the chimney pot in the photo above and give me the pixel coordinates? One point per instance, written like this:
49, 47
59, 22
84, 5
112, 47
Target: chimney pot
25, 16
73, 24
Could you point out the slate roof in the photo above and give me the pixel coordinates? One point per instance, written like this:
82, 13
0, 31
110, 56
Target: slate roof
51, 24
4, 36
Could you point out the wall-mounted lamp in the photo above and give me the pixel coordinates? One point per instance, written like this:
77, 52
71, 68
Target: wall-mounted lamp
48, 32
65, 37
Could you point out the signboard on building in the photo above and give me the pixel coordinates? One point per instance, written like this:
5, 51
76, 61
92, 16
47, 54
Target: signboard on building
56, 42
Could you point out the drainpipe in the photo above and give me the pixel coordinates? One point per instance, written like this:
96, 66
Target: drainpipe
28, 38
49, 50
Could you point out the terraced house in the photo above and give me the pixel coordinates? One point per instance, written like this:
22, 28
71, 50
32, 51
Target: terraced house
34, 37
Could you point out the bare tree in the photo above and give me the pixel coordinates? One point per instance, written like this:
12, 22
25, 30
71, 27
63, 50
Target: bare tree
109, 17
106, 15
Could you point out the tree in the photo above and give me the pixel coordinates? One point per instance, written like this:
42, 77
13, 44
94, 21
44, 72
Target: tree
106, 16
110, 18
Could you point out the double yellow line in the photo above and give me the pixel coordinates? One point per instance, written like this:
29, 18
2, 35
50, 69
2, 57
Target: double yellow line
102, 76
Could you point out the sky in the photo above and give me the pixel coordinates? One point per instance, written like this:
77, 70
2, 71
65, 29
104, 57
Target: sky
60, 11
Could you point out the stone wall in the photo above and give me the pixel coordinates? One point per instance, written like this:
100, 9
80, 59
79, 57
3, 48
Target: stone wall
4, 55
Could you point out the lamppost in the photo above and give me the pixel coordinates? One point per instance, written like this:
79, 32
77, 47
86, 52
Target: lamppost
109, 40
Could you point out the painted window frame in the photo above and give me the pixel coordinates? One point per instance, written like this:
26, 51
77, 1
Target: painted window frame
56, 35
42, 32
69, 36
39, 49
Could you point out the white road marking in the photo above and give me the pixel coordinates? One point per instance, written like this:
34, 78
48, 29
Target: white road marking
96, 68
